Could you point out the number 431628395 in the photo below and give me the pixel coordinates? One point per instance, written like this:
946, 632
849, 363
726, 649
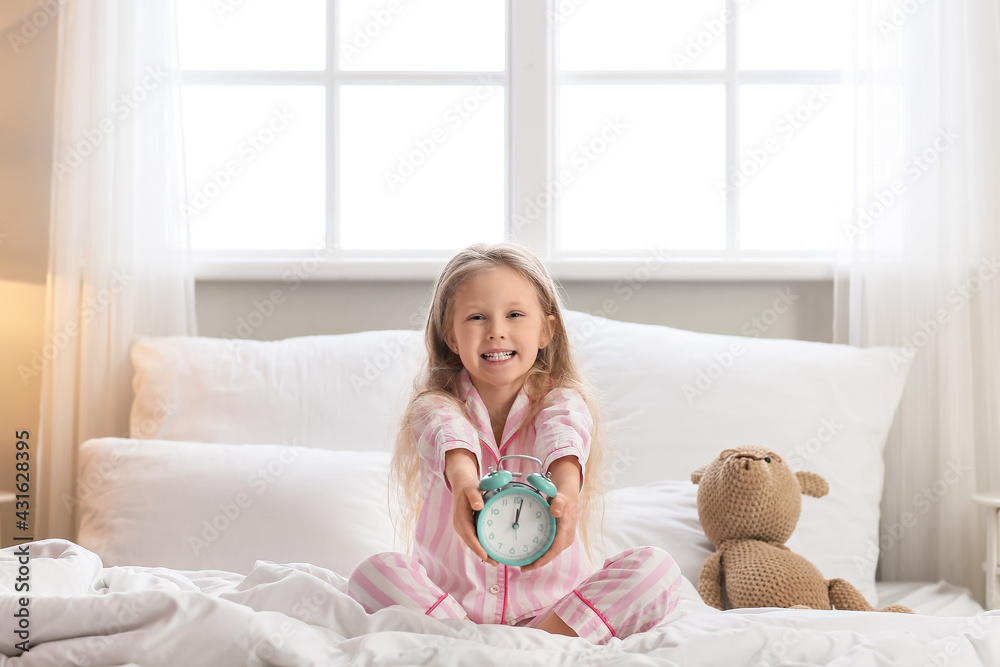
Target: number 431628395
21, 479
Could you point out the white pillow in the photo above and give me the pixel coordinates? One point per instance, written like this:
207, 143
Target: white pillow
333, 392
675, 399
665, 515
196, 506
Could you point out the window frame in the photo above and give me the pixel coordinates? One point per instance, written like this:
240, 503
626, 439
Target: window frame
531, 83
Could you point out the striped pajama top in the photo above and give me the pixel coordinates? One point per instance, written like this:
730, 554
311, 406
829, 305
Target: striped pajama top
499, 594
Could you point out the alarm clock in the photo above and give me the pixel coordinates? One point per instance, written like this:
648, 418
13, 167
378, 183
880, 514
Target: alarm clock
514, 526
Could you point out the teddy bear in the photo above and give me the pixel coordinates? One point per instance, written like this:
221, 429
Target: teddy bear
749, 502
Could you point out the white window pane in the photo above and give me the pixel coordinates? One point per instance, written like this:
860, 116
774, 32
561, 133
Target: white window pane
641, 163
259, 35
796, 34
641, 34
421, 167
255, 158
416, 35
796, 168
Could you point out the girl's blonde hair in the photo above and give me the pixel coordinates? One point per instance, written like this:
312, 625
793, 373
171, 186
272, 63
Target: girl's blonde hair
554, 367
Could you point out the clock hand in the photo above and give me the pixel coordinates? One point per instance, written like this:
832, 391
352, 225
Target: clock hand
518, 515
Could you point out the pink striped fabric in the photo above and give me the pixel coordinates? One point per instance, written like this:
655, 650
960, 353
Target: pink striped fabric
495, 594
633, 592
446, 580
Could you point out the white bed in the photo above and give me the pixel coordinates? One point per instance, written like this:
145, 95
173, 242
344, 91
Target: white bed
297, 614
221, 533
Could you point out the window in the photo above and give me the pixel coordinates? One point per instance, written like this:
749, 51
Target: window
727, 130
380, 135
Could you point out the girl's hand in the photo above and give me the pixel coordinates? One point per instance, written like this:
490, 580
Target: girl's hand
565, 507
462, 474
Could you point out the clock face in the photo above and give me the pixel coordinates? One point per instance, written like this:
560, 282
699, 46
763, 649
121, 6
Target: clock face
515, 526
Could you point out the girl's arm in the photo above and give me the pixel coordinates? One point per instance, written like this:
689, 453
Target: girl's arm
562, 430
449, 444
462, 473
562, 442
565, 507
439, 427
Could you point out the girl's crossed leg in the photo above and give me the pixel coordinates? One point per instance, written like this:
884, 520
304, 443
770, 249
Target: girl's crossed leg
633, 592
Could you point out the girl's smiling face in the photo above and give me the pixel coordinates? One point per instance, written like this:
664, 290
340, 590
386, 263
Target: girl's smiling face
497, 328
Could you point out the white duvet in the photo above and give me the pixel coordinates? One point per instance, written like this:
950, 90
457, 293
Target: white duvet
82, 613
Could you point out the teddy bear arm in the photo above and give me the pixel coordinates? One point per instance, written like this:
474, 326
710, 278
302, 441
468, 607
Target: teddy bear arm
710, 581
843, 595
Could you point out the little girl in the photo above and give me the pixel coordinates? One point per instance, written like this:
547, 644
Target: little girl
500, 379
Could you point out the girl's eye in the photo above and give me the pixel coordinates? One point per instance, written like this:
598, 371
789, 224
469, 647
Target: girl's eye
517, 314
476, 317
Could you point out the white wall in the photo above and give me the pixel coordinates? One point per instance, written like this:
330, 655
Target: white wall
272, 310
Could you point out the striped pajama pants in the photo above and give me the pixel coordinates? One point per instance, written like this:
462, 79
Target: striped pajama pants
633, 592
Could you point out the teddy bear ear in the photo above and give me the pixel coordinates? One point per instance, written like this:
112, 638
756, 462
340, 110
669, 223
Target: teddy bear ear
812, 484
696, 475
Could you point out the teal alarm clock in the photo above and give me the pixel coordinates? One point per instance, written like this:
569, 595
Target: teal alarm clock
515, 526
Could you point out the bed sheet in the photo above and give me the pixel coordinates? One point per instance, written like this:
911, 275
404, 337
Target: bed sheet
298, 614
933, 598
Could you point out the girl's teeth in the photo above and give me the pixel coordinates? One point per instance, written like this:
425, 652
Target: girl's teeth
500, 356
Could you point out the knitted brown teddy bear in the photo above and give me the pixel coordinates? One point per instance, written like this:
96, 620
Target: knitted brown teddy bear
749, 502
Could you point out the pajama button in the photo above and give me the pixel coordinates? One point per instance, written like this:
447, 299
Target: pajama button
494, 589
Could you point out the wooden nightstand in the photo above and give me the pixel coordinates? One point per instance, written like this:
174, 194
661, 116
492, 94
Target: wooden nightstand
992, 566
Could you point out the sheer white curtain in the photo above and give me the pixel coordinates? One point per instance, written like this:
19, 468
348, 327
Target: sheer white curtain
119, 261
923, 270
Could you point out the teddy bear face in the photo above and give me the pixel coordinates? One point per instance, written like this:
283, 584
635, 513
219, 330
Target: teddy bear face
748, 493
